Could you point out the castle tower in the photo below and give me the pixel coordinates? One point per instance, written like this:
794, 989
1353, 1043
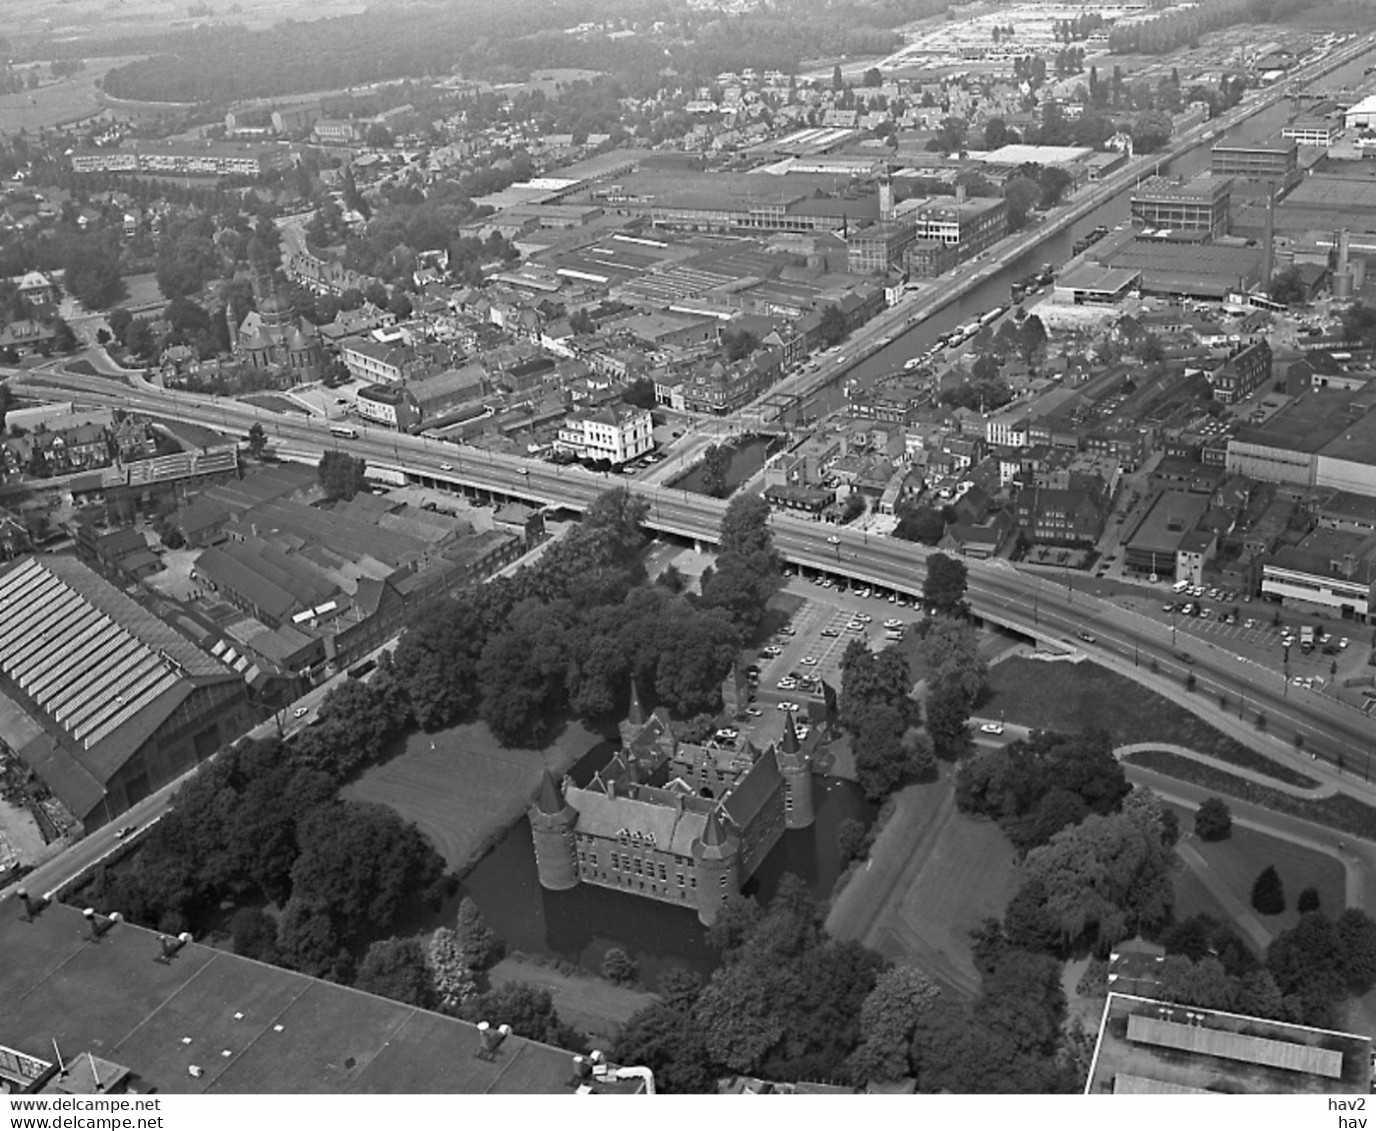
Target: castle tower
795, 764
635, 719
717, 856
552, 821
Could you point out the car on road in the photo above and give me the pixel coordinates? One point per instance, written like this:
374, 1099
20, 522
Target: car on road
300, 712
785, 705
1184, 657
810, 661
124, 831
991, 728
833, 540
446, 467
787, 630
1343, 643
1087, 637
754, 712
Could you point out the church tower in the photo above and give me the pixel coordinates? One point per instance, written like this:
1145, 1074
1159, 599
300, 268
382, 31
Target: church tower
552, 821
795, 764
717, 856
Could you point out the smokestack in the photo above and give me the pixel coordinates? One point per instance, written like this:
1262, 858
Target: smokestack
100, 924
1344, 249
885, 197
582, 1070
1268, 264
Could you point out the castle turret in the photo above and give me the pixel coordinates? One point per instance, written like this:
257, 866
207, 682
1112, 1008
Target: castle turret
552, 821
717, 856
795, 764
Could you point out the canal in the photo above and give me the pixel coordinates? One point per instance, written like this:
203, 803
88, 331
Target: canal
580, 925
747, 456
994, 291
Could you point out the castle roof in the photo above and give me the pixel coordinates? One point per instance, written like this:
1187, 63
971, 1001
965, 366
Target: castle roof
670, 828
714, 834
790, 745
550, 801
750, 795
636, 715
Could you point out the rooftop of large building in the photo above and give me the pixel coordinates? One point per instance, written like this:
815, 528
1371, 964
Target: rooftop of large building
1170, 517
245, 1026
1201, 189
88, 673
1147, 1046
1312, 423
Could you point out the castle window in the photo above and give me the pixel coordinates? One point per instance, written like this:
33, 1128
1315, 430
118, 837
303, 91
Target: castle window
663, 872
680, 879
692, 881
592, 859
637, 868
582, 856
723, 881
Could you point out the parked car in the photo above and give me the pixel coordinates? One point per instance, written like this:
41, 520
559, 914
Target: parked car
992, 728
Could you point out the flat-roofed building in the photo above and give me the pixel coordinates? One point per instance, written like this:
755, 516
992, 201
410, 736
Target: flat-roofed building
1332, 571
140, 1006
879, 247
1093, 285
1200, 205
969, 225
1153, 543
1275, 160
1145, 1046
102, 700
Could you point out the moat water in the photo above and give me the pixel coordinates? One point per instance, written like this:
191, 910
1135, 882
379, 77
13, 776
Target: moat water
746, 458
580, 925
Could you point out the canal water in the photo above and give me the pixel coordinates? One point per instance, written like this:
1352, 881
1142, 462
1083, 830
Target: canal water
580, 925
747, 457
994, 291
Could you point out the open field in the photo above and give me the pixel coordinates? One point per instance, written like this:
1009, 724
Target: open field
56, 103
1077, 697
273, 403
461, 788
1340, 811
592, 1005
933, 875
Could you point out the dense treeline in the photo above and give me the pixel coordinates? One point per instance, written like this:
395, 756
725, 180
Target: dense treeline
500, 42
1183, 26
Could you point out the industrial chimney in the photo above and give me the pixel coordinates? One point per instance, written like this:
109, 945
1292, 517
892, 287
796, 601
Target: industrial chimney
100, 924
1268, 260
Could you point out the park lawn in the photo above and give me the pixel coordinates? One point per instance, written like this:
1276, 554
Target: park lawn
462, 788
594, 1006
1240, 858
1077, 697
54, 104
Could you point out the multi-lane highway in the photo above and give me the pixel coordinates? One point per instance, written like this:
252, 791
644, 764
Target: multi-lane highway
998, 592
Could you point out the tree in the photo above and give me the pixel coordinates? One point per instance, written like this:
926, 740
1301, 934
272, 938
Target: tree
254, 933
308, 941
666, 1038
944, 585
1287, 286
92, 273
902, 995
640, 394
450, 973
529, 1010
477, 943
837, 81
618, 966
745, 527
1308, 900
851, 835
833, 326
1214, 820
341, 475
716, 462
1021, 194
920, 524
257, 440
1268, 893
397, 969
1031, 338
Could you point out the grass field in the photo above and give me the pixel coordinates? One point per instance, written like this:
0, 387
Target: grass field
592, 1005
1077, 697
1341, 811
55, 103
1239, 859
933, 875
462, 789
